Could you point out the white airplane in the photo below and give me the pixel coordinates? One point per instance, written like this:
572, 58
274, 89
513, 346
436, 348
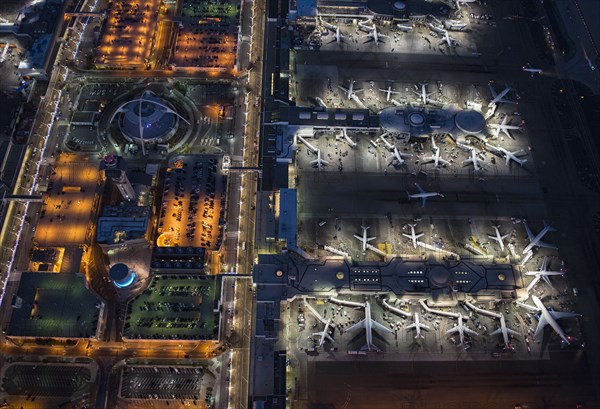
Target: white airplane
548, 317
327, 25
339, 37
505, 127
474, 159
451, 41
324, 334
398, 157
455, 25
369, 324
321, 102
436, 158
413, 236
528, 68
459, 3
588, 60
508, 155
462, 329
499, 97
388, 145
536, 241
404, 28
364, 239
542, 273
417, 326
319, 163
374, 35
498, 237
423, 94
423, 195
350, 91
504, 330
389, 91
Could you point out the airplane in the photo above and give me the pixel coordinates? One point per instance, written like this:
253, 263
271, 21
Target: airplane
499, 97
451, 41
374, 34
504, 127
474, 159
405, 28
436, 159
324, 334
350, 91
349, 140
423, 94
398, 157
417, 326
459, 3
537, 240
588, 60
339, 37
528, 68
364, 239
369, 324
498, 237
455, 25
321, 102
461, 329
327, 25
389, 91
548, 317
504, 330
508, 155
389, 145
423, 195
413, 236
319, 163
542, 273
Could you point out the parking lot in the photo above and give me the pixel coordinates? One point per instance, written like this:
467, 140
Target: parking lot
127, 40
46, 379
180, 384
193, 202
208, 35
174, 307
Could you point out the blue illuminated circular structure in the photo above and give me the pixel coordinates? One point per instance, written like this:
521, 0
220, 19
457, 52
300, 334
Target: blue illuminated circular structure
121, 275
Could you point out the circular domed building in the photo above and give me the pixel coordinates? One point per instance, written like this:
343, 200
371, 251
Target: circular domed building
121, 275
148, 119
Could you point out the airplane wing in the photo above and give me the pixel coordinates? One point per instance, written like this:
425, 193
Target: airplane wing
559, 314
424, 326
419, 235
380, 327
343, 88
546, 245
359, 324
493, 237
531, 308
371, 238
497, 332
469, 331
513, 332
541, 324
358, 237
530, 235
413, 325
444, 161
408, 236
420, 188
424, 201
452, 330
